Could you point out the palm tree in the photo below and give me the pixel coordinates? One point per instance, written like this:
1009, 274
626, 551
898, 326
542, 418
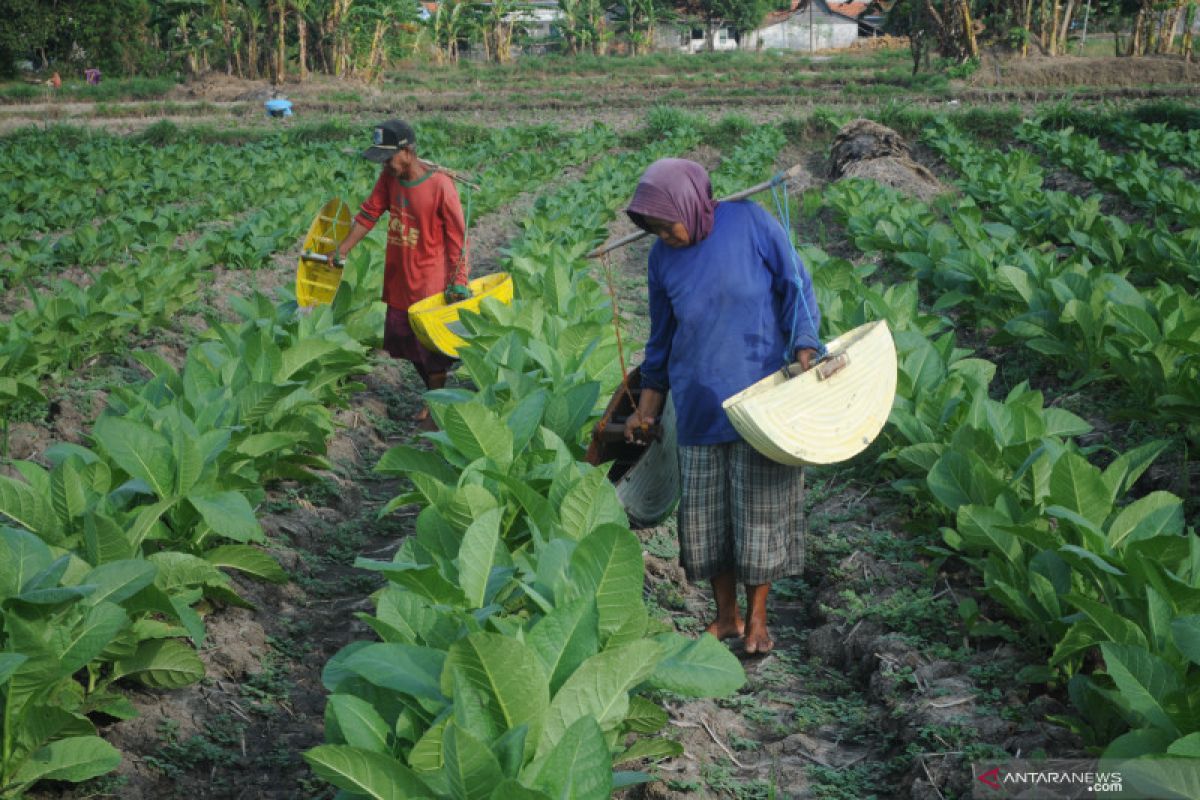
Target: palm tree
301, 9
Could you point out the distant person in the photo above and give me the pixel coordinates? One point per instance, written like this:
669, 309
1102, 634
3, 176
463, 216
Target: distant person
730, 303
55, 82
425, 253
92, 74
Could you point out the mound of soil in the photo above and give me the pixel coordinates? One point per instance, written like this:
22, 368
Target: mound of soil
866, 149
1042, 71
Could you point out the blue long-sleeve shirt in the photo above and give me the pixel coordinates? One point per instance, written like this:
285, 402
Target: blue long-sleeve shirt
721, 315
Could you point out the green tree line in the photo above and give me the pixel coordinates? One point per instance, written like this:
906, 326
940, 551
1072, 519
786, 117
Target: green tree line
288, 39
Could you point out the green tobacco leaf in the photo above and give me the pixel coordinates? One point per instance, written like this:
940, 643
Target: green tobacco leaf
403, 668
567, 411
81, 644
104, 540
565, 638
426, 581
1165, 778
1117, 628
22, 555
591, 502
697, 667
260, 444
189, 463
983, 530
477, 557
1186, 746
1081, 636
471, 712
471, 769
162, 664
1186, 632
653, 749
524, 419
10, 663
21, 503
954, 483
1156, 514
1136, 744
1077, 485
508, 672
1143, 680
145, 521
365, 773
405, 460
247, 559
607, 564
511, 790
1126, 468
478, 432
599, 689
577, 766
47, 723
139, 450
356, 723
74, 759
645, 716
68, 491
426, 755
229, 514
117, 581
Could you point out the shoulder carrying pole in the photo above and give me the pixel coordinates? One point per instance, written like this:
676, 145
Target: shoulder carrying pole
456, 176
742, 195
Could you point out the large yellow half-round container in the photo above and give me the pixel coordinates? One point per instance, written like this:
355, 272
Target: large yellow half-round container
811, 420
317, 283
435, 322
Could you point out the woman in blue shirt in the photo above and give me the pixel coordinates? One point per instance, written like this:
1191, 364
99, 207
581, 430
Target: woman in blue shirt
730, 302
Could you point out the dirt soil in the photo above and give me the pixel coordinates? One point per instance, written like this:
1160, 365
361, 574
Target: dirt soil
1078, 71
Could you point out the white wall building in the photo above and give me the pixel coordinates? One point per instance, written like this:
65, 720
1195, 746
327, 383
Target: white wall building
810, 27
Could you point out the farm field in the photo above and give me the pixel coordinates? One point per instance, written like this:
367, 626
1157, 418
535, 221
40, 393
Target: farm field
232, 568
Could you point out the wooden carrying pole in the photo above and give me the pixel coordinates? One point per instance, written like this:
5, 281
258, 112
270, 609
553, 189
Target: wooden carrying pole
742, 195
457, 176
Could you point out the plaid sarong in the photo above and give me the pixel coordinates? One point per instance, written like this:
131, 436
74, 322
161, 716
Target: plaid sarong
741, 511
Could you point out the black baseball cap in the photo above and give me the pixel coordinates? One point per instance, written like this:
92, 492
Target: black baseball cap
387, 138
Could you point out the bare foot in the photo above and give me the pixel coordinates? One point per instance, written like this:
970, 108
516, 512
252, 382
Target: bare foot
424, 420
726, 629
758, 639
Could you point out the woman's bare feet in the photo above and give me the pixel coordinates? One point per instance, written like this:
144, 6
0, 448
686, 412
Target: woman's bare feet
728, 624
758, 639
424, 420
726, 628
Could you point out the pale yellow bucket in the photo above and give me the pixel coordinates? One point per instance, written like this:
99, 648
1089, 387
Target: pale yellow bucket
822, 416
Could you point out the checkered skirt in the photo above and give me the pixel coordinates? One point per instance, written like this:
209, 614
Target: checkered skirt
741, 511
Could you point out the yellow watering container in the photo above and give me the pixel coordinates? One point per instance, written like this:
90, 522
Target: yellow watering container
829, 413
435, 322
316, 280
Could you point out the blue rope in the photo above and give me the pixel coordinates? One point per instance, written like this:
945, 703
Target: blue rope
784, 212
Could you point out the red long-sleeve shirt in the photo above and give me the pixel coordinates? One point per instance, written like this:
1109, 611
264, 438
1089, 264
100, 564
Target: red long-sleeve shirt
425, 235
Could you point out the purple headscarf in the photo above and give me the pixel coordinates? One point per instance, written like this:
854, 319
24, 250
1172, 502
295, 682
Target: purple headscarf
676, 190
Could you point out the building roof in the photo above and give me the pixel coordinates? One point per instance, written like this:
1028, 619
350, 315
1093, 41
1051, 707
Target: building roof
826, 10
849, 9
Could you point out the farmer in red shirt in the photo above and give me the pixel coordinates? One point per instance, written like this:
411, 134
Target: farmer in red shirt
425, 253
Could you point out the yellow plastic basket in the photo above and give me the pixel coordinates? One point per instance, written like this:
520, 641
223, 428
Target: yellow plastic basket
317, 283
436, 323
827, 414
